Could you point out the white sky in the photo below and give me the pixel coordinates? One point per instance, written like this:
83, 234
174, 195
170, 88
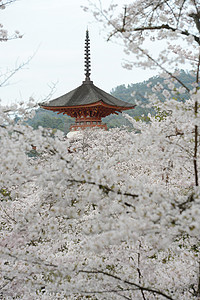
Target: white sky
54, 31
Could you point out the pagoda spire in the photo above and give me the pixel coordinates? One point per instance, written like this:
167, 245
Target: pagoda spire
87, 57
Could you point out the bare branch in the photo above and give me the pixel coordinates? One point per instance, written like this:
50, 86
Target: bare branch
52, 87
11, 73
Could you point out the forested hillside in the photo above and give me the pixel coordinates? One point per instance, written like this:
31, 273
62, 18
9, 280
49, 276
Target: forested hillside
137, 92
49, 119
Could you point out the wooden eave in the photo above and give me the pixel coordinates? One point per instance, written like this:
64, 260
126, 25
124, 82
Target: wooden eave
98, 103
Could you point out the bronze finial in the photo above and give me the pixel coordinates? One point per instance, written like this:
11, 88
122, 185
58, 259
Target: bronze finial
87, 57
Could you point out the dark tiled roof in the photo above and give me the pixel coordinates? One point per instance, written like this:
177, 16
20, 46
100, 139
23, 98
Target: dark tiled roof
87, 93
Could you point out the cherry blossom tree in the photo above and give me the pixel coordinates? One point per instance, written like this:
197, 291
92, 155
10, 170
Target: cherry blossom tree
154, 21
106, 214
93, 222
175, 22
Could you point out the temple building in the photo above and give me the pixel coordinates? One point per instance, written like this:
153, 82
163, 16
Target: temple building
87, 103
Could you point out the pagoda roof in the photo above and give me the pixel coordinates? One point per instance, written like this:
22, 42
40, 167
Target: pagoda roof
86, 94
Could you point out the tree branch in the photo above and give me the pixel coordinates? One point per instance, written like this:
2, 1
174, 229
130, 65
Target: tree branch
196, 133
12, 72
162, 68
139, 271
106, 189
4, 4
198, 287
196, 18
166, 26
112, 291
4, 285
160, 27
137, 286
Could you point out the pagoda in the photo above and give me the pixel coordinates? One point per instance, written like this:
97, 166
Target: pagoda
87, 103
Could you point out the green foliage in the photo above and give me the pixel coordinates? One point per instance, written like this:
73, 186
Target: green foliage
161, 115
4, 195
33, 153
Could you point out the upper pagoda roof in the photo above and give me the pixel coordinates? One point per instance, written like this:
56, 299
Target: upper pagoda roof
87, 93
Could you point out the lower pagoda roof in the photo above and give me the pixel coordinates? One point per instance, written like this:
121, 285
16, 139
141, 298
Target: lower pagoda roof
86, 94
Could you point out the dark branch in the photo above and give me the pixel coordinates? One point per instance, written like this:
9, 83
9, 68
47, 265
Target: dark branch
4, 4
124, 17
185, 205
34, 262
110, 291
196, 18
106, 189
198, 288
14, 130
4, 285
137, 286
166, 26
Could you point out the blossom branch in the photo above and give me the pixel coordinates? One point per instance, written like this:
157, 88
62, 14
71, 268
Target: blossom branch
106, 189
164, 26
8, 281
163, 69
137, 286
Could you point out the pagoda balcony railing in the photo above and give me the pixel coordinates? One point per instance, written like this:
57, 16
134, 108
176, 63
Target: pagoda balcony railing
84, 125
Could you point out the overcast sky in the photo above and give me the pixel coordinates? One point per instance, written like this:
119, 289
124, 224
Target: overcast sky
54, 33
